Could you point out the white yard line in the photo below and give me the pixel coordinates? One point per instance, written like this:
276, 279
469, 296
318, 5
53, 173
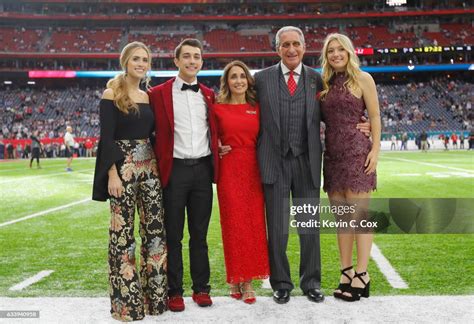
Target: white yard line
44, 212
28, 282
407, 174
44, 175
386, 268
49, 166
429, 164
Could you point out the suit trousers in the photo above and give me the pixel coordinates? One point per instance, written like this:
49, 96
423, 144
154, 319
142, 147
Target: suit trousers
296, 180
189, 191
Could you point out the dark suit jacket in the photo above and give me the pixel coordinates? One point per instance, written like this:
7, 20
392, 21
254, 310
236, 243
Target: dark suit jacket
269, 142
161, 101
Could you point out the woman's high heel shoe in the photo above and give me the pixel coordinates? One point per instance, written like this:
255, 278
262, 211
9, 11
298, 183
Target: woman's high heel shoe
248, 294
235, 291
357, 293
343, 287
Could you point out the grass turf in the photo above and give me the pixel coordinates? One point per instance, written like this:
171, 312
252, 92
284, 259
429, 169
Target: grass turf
73, 241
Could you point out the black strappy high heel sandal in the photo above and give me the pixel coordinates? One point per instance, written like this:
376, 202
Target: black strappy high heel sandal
343, 287
357, 293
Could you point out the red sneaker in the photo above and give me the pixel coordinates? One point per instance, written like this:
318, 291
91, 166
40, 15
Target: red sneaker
202, 299
176, 303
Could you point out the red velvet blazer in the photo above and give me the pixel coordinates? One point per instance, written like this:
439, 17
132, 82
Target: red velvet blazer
161, 101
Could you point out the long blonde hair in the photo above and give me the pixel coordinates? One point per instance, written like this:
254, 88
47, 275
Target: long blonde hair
224, 91
352, 68
119, 85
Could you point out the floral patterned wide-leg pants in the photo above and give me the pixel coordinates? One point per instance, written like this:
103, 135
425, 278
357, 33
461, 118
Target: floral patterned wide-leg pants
133, 295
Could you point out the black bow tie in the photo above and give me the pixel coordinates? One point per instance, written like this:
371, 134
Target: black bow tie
193, 87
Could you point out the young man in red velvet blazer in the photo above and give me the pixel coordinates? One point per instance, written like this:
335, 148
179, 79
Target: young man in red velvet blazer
186, 149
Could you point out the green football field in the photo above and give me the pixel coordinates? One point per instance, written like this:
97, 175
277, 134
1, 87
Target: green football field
72, 241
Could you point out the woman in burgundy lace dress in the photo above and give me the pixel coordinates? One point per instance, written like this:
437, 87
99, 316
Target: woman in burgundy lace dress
239, 187
350, 158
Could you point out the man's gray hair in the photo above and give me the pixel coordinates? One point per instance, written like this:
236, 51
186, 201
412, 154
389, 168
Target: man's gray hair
288, 29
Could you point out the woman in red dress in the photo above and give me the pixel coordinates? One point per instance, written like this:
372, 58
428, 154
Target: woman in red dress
239, 187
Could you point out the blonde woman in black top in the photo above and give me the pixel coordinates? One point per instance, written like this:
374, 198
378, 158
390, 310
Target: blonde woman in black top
126, 173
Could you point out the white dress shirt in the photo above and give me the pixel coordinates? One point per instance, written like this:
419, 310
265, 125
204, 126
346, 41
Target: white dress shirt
191, 127
296, 72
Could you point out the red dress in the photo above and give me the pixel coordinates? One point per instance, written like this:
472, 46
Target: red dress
240, 193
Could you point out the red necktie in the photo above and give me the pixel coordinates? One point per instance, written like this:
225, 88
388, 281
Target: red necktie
291, 83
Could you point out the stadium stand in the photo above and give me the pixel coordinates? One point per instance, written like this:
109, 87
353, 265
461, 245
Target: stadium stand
48, 111
412, 107
61, 34
404, 107
67, 40
85, 35
160, 43
221, 40
210, 8
224, 39
21, 39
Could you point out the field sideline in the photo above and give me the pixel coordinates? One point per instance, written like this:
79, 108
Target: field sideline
72, 241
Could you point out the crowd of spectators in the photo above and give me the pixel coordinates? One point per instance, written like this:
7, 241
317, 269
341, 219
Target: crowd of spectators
8, 150
164, 40
83, 40
21, 39
458, 34
221, 8
440, 104
137, 10
437, 105
219, 37
457, 99
49, 111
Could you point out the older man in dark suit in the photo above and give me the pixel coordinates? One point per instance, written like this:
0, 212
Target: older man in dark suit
289, 153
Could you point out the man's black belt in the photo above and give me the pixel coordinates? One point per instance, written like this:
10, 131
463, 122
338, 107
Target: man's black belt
191, 162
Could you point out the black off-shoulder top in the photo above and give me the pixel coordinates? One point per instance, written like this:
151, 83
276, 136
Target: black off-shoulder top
115, 125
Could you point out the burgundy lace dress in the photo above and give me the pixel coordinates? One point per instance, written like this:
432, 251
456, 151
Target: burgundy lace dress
346, 147
240, 192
